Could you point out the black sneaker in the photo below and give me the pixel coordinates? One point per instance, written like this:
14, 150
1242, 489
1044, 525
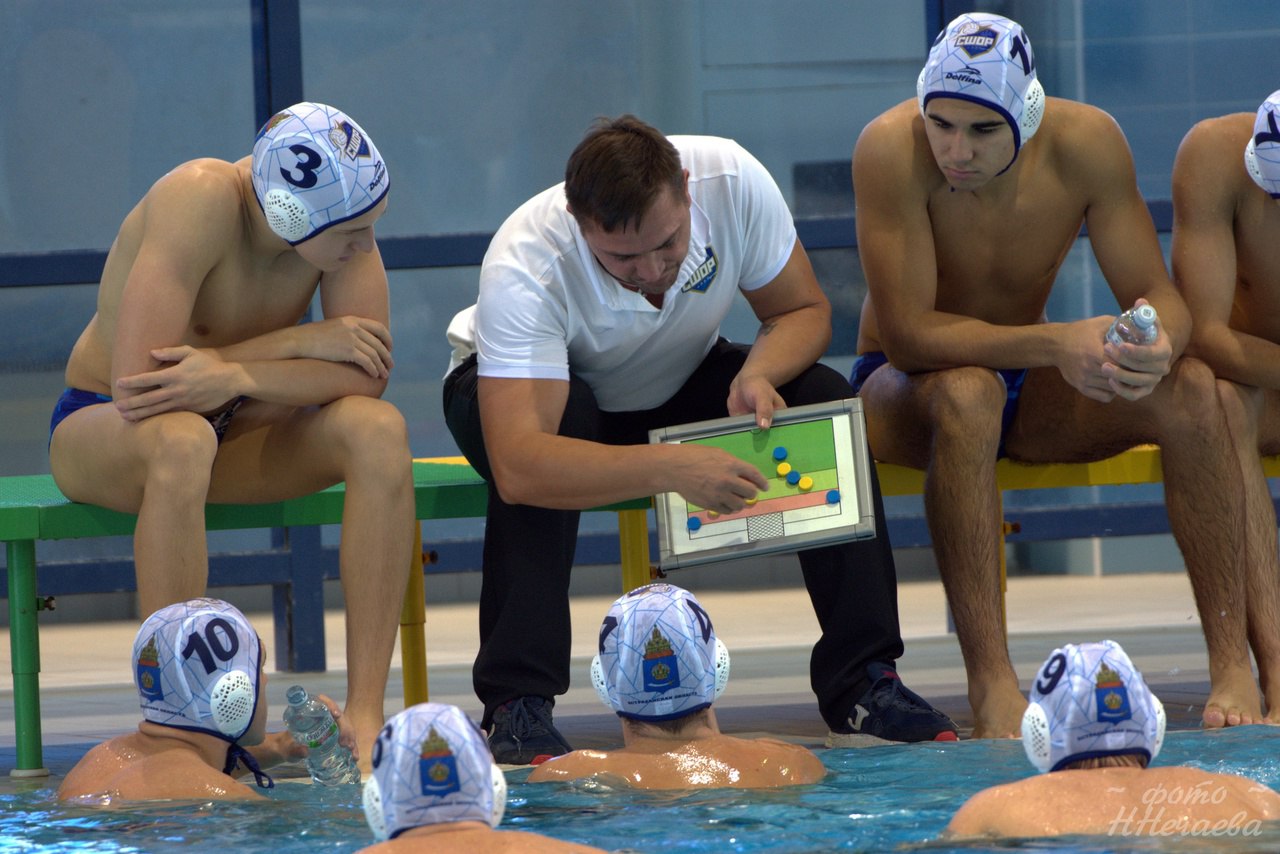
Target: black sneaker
891, 713
522, 732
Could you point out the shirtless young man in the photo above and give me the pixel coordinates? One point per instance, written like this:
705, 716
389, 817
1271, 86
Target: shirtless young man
660, 667
964, 218
1095, 726
435, 789
198, 666
196, 382
1226, 225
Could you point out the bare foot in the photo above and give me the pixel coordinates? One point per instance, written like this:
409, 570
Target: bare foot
1233, 701
998, 712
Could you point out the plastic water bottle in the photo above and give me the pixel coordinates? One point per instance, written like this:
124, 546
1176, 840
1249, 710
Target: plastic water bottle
312, 725
1135, 326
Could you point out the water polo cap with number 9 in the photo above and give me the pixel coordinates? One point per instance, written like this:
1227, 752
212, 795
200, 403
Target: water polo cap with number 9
314, 167
1087, 701
987, 60
1262, 154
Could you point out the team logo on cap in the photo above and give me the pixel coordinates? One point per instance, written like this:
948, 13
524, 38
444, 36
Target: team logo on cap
974, 41
348, 140
661, 669
149, 672
1113, 697
437, 766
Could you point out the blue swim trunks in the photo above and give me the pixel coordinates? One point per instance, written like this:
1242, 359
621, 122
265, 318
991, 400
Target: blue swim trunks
865, 364
74, 399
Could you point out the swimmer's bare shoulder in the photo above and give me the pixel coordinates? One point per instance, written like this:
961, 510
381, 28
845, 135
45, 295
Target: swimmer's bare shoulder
598, 765
1083, 146
893, 151
478, 840
126, 769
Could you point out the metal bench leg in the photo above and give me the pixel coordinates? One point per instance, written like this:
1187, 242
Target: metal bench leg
24, 646
633, 543
413, 628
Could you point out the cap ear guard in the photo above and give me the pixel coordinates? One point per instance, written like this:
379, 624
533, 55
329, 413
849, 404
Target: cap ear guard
286, 214
373, 815
499, 781
1035, 736
1161, 722
1032, 110
722, 667
598, 681
232, 703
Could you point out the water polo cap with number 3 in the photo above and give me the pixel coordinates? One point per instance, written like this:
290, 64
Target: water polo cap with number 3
314, 167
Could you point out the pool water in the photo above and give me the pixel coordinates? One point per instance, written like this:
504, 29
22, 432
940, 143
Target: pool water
879, 799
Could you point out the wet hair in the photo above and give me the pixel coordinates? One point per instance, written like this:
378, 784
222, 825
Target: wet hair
1123, 760
617, 172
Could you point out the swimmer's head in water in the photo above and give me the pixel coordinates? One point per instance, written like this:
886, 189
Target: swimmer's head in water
1088, 700
431, 765
659, 657
197, 667
1262, 154
987, 60
314, 167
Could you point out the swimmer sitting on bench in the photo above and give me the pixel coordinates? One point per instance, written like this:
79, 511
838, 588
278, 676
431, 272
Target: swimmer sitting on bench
197, 382
660, 667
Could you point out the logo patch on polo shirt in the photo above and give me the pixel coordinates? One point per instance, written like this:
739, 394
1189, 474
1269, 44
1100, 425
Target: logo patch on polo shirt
704, 275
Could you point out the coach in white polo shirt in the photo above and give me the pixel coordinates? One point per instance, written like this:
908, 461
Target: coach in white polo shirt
598, 319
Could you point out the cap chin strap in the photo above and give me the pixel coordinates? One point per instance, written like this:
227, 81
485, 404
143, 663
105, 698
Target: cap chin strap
237, 754
721, 666
287, 215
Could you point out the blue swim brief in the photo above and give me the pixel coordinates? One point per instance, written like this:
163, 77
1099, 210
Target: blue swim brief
74, 399
865, 365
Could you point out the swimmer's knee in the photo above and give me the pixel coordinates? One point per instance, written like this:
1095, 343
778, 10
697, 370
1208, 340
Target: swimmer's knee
178, 448
371, 428
967, 400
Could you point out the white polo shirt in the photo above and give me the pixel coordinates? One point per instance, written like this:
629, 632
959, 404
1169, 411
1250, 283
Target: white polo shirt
547, 306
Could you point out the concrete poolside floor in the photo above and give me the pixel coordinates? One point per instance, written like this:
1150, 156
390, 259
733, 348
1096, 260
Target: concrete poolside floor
87, 693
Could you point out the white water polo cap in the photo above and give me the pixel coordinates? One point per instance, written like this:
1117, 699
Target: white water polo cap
1262, 154
1090, 701
431, 765
314, 167
196, 665
659, 657
987, 60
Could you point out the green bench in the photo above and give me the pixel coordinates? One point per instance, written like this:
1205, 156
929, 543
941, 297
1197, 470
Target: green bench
32, 509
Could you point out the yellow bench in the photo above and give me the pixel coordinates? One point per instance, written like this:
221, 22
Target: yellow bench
1135, 466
